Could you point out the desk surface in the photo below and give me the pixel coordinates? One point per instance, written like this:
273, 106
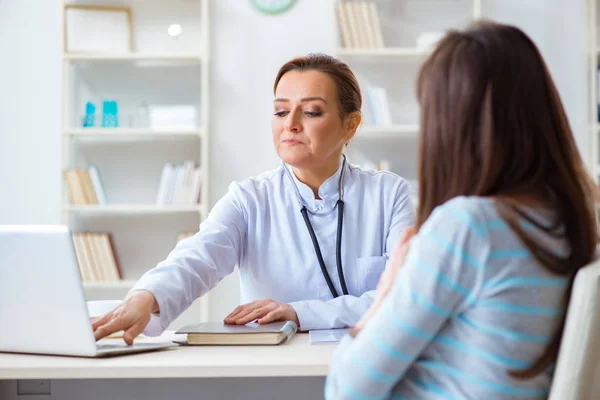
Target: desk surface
295, 358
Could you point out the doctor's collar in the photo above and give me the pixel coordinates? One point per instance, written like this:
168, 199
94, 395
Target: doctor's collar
328, 191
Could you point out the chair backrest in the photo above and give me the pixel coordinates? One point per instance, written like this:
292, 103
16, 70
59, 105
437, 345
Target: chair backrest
577, 374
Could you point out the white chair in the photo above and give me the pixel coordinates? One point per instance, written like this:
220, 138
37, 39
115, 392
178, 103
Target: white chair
577, 375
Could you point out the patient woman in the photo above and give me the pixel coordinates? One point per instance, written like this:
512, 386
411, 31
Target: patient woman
473, 306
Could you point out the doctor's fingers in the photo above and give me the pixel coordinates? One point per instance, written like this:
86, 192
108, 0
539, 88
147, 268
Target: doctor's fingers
278, 314
236, 311
244, 309
115, 324
134, 331
99, 321
255, 314
231, 316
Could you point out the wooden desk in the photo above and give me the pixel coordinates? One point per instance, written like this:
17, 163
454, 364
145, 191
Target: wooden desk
296, 358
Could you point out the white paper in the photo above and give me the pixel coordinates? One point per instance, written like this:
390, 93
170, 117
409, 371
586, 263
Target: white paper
327, 336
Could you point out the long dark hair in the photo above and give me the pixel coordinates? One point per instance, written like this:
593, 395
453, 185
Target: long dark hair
492, 124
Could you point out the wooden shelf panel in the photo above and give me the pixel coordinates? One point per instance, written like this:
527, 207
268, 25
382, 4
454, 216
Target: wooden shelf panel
111, 209
389, 131
132, 133
117, 285
383, 52
134, 57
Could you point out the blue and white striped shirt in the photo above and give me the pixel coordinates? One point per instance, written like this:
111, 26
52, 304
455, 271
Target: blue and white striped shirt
470, 304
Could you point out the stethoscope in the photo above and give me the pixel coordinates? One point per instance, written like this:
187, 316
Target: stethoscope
311, 231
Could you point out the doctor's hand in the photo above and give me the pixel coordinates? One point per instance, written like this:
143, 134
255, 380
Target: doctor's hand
131, 316
264, 311
388, 277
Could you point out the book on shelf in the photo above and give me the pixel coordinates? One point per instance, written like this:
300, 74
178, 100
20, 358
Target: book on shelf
376, 107
359, 25
180, 184
84, 186
218, 333
96, 257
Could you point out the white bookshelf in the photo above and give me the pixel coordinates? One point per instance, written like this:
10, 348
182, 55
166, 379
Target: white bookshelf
383, 52
134, 209
387, 131
169, 58
394, 67
122, 284
160, 70
134, 134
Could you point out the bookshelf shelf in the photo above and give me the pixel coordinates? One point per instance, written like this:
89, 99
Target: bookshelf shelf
135, 57
122, 285
163, 82
390, 131
383, 52
129, 133
385, 42
111, 209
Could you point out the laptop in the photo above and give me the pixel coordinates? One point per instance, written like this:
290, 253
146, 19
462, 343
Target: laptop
42, 304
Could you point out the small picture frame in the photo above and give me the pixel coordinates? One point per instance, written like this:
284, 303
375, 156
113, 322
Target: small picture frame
97, 29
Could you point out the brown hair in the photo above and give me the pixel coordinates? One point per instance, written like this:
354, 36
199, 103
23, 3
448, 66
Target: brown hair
348, 91
492, 124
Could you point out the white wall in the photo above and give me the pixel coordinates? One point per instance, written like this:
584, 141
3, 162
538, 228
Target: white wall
29, 112
558, 28
244, 63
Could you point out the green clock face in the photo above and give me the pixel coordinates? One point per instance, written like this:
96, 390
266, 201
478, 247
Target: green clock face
272, 6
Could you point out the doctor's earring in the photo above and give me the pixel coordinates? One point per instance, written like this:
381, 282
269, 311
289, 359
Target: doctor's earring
346, 144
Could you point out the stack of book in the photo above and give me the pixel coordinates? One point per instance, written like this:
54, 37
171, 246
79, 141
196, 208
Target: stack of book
359, 25
180, 184
96, 257
376, 108
85, 186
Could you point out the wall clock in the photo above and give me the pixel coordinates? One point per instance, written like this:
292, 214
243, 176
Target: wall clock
272, 7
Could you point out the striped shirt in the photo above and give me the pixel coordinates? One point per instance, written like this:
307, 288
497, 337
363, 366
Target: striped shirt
470, 304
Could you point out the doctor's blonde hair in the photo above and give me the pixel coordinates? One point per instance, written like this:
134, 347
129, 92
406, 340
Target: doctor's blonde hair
349, 98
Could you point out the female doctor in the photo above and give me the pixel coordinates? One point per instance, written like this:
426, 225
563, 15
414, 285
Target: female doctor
311, 238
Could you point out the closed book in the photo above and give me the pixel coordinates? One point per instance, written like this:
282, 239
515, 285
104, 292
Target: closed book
218, 333
344, 28
352, 23
97, 184
375, 26
87, 186
76, 194
194, 197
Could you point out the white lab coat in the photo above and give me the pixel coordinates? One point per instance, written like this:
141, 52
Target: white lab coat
258, 226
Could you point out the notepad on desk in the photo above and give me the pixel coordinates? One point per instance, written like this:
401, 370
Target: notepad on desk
218, 333
327, 336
